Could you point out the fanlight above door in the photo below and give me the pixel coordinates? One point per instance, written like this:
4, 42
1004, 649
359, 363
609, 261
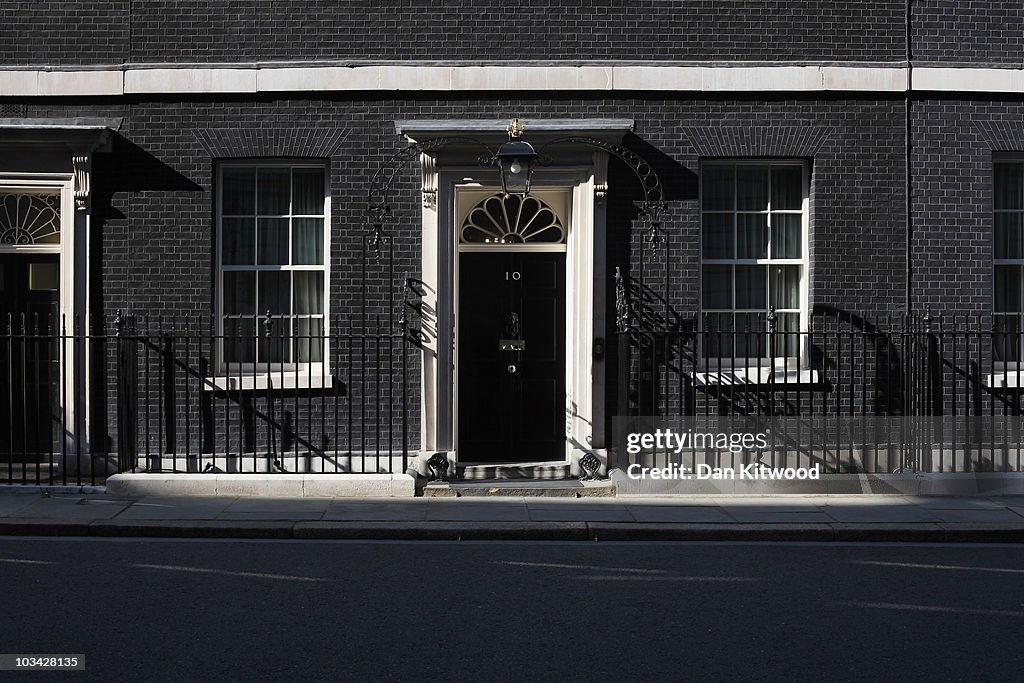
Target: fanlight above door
508, 219
27, 219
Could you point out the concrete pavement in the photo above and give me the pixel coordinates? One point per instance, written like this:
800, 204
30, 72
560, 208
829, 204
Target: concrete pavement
801, 518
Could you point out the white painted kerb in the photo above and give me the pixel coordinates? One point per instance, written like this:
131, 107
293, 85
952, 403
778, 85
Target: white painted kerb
265, 485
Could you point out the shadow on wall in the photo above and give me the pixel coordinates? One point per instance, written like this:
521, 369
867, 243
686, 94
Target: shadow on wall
126, 169
653, 294
888, 381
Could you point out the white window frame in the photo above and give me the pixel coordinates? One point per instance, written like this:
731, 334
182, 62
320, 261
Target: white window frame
746, 372
1011, 368
282, 375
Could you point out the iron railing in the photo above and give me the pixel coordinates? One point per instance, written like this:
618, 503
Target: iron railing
80, 402
899, 394
155, 395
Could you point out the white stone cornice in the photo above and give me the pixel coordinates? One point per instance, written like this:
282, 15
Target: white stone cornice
717, 77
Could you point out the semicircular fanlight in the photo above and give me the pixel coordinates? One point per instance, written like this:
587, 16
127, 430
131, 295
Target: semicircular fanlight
508, 219
29, 219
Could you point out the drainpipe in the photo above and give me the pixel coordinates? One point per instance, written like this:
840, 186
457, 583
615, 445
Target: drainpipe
906, 156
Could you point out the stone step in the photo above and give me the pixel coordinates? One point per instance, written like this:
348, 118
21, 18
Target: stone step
529, 471
564, 488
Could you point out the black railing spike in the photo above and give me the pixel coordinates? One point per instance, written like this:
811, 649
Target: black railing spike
927, 320
119, 323
772, 319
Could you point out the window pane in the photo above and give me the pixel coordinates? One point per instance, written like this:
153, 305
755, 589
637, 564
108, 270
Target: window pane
1008, 289
43, 277
239, 192
1007, 339
718, 235
751, 235
750, 335
1008, 243
274, 191
239, 292
276, 348
787, 188
751, 287
239, 340
274, 293
309, 341
1009, 186
717, 187
239, 244
752, 188
785, 287
272, 241
716, 286
309, 293
786, 238
718, 340
786, 339
309, 191
308, 241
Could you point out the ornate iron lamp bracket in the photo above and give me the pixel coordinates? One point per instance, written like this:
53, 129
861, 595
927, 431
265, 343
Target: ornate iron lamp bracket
653, 207
379, 197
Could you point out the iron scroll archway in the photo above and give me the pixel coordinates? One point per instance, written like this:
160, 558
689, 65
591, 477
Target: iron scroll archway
653, 206
652, 209
378, 201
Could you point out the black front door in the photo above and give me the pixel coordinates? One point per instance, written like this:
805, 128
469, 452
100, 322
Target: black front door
511, 362
29, 363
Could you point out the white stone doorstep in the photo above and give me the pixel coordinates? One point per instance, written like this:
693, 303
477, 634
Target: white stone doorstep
264, 485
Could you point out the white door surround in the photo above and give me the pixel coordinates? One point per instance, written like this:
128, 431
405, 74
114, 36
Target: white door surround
440, 275
55, 157
582, 175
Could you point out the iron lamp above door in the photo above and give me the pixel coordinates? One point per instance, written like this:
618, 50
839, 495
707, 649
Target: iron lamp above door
515, 161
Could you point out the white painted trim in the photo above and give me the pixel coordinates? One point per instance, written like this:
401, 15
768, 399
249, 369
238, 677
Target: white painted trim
142, 81
432, 430
72, 300
255, 376
755, 375
439, 263
942, 79
804, 261
319, 378
491, 248
276, 485
610, 76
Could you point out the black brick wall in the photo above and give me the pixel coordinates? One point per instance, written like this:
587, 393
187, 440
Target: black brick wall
251, 30
953, 146
976, 32
154, 209
154, 226
204, 31
55, 32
